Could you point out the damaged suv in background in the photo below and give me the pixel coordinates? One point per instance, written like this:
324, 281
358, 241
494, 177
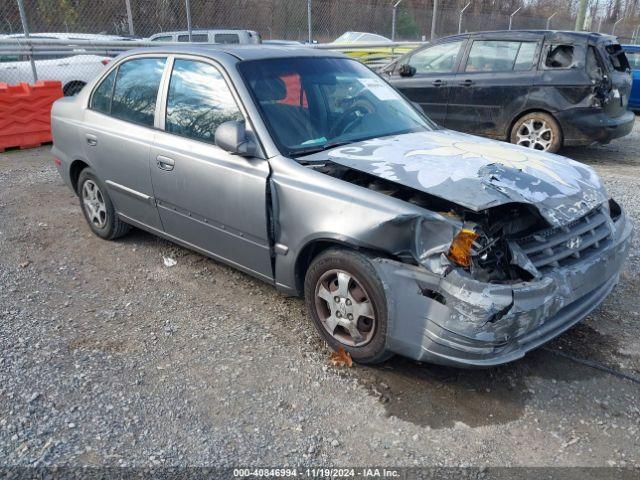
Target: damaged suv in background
308, 171
537, 89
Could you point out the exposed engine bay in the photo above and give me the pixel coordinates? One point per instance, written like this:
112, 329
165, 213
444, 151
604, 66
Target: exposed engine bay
491, 259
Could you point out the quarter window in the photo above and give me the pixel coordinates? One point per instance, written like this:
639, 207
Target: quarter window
195, 38
101, 99
500, 56
136, 90
227, 38
436, 59
198, 101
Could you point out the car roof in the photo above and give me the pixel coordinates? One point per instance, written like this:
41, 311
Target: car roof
241, 52
553, 35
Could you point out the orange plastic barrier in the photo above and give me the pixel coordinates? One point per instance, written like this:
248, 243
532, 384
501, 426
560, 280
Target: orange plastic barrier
25, 113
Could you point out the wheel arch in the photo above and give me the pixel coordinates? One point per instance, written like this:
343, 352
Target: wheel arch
316, 246
75, 168
527, 112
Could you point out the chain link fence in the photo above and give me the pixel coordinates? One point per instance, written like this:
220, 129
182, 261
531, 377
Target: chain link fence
74, 33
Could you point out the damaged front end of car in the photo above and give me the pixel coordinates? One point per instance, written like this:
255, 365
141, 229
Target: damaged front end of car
480, 284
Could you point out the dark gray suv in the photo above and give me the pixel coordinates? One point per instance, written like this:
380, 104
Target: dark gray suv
538, 89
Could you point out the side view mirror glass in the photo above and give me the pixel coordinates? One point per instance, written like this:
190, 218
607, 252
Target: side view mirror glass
232, 137
407, 70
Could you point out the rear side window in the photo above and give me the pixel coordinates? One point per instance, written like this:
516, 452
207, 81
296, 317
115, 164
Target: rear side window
226, 38
617, 57
195, 37
198, 101
101, 99
560, 56
437, 59
634, 60
500, 56
166, 38
136, 90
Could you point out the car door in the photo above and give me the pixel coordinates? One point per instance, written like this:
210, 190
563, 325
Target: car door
118, 130
435, 68
492, 85
207, 197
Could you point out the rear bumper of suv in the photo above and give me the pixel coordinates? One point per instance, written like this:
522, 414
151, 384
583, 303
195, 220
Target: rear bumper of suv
585, 126
457, 321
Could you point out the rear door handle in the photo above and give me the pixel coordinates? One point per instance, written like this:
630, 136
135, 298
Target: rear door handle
438, 83
92, 140
466, 83
165, 163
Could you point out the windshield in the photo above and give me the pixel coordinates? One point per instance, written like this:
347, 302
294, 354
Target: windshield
312, 104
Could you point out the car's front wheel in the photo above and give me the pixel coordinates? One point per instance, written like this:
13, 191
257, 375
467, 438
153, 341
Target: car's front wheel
97, 207
537, 130
347, 303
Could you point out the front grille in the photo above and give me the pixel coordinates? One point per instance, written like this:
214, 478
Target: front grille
560, 246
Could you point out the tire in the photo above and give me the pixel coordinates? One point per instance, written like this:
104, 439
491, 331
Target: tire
98, 209
73, 88
537, 130
369, 344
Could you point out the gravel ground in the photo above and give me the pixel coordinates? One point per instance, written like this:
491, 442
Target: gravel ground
108, 357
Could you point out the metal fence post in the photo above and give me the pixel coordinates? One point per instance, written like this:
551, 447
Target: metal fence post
187, 6
25, 29
613, 30
393, 19
309, 29
130, 17
460, 18
512, 15
549, 19
434, 16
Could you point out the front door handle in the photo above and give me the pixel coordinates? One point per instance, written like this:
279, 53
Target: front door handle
438, 83
466, 83
92, 140
165, 163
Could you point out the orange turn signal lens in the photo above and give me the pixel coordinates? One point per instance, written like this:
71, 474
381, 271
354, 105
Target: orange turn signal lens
460, 250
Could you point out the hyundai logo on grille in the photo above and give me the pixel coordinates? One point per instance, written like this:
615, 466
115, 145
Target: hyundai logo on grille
574, 243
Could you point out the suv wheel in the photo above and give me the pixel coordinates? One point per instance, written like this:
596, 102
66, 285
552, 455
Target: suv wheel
537, 130
97, 207
346, 301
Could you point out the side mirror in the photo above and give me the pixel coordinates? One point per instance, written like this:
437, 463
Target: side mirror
407, 70
232, 137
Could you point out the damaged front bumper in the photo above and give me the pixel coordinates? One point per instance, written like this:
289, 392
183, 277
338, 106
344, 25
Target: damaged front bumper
455, 320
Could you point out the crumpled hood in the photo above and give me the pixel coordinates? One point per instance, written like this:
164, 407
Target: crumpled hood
477, 173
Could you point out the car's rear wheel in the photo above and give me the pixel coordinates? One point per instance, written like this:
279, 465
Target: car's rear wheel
97, 207
347, 303
537, 130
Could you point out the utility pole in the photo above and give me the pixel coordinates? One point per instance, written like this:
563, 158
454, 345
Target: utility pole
129, 17
460, 18
512, 15
309, 28
25, 29
434, 18
582, 10
187, 6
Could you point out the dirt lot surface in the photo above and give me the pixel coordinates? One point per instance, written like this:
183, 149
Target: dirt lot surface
109, 357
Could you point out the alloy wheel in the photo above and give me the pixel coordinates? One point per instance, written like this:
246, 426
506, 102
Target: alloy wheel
536, 134
94, 204
344, 308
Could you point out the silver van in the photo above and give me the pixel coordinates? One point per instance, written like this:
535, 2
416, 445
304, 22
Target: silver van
242, 37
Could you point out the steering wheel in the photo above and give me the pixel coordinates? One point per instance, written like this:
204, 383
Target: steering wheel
352, 117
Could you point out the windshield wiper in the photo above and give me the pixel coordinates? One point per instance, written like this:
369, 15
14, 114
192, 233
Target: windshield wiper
321, 148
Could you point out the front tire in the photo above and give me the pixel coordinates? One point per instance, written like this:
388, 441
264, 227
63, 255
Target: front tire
348, 306
97, 207
537, 130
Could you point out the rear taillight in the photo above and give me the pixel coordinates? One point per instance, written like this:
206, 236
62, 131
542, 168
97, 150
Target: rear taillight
105, 61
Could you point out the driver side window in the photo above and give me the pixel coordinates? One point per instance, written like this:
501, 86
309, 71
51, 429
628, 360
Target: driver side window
437, 59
